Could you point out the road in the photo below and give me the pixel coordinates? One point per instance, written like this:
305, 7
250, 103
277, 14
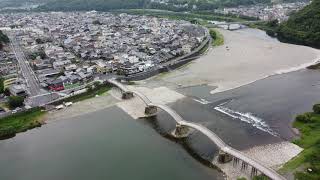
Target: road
33, 86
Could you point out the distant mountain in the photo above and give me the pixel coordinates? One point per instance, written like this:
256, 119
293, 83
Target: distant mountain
18, 3
175, 5
303, 27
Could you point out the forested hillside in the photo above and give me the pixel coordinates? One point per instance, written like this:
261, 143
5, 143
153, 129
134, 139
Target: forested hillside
303, 27
17, 3
175, 5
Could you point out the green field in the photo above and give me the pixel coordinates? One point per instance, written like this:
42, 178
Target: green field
307, 164
20, 122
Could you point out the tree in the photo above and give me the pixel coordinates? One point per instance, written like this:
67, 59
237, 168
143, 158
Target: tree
1, 85
4, 38
213, 34
96, 22
39, 41
316, 108
305, 118
15, 101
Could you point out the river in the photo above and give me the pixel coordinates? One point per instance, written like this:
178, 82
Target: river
107, 144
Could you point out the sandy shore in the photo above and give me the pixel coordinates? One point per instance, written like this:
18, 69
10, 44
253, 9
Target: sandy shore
161, 95
272, 155
83, 107
246, 56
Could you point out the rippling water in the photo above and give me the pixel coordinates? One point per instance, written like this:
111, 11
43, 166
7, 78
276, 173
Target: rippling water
268, 105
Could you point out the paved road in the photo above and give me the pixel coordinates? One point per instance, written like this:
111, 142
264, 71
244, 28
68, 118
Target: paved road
33, 86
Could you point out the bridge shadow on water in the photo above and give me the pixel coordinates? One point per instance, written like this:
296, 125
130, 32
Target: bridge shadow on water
196, 144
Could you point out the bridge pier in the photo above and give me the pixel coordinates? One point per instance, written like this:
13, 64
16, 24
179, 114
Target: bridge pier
224, 157
244, 166
151, 110
235, 161
254, 172
127, 95
180, 131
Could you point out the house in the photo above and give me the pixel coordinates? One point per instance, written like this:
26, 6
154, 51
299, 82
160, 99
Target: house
60, 64
18, 90
8, 67
56, 85
103, 67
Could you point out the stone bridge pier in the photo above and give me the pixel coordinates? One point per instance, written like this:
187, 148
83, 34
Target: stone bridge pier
151, 110
224, 157
245, 167
181, 131
127, 95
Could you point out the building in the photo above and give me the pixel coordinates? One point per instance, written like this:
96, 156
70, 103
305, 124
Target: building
8, 67
18, 90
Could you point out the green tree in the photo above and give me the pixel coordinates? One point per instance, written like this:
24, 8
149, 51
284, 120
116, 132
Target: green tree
213, 34
305, 118
39, 41
316, 108
4, 38
1, 85
15, 101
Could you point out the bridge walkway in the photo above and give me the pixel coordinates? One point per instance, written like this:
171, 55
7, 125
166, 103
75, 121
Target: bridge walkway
211, 135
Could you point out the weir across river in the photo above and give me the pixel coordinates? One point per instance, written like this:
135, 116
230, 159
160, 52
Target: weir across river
226, 154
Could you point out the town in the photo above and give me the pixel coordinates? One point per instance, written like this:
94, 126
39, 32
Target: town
58, 51
265, 12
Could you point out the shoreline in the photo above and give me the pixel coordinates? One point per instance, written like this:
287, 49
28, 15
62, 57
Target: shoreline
278, 72
232, 65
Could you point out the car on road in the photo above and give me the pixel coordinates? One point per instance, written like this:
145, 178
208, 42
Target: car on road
2, 110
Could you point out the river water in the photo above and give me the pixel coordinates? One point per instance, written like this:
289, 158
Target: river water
262, 111
107, 144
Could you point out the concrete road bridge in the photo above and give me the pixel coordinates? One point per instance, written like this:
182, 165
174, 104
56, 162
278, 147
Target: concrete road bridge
226, 153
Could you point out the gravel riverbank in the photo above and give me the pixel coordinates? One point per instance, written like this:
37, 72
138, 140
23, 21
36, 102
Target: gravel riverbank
244, 58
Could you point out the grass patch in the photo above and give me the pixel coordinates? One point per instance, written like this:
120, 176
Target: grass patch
20, 122
217, 38
98, 90
307, 164
5, 106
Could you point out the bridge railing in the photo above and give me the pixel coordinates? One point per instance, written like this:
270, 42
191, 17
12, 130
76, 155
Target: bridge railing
211, 135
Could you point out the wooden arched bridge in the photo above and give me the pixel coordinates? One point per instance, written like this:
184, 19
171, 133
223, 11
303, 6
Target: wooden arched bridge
227, 153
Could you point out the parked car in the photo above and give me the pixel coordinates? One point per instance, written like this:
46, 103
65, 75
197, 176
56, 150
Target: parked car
2, 110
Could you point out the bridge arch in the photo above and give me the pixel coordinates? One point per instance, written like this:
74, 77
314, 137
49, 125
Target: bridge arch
272, 174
